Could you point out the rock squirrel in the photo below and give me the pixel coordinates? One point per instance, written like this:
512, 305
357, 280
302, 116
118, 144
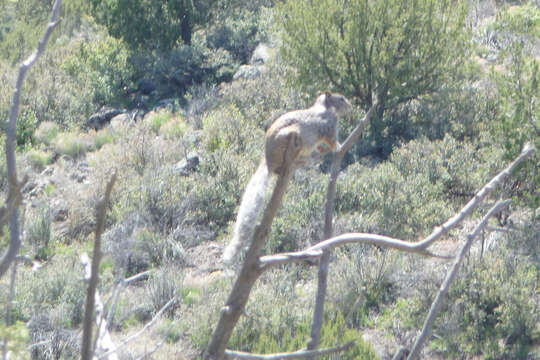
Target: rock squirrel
304, 129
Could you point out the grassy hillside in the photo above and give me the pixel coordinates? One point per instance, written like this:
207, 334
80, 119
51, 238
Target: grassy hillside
189, 134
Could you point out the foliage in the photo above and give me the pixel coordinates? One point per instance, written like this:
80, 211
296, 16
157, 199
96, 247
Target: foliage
16, 337
26, 125
294, 337
102, 68
367, 47
39, 158
72, 144
152, 24
363, 283
162, 286
38, 233
487, 308
383, 51
519, 93
46, 132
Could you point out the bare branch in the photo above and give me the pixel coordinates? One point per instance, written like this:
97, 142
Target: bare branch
250, 270
294, 355
322, 273
316, 251
355, 134
428, 324
140, 332
86, 350
11, 135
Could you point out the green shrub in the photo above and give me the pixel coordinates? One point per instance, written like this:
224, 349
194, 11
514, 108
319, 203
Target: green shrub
102, 137
493, 307
294, 337
16, 339
155, 120
46, 132
39, 158
226, 128
27, 123
162, 286
239, 35
101, 70
175, 128
363, 283
38, 232
53, 291
72, 144
417, 188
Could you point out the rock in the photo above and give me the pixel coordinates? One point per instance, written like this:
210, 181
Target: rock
188, 165
99, 119
120, 121
59, 211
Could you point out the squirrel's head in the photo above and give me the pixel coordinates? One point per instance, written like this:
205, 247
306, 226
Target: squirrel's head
335, 101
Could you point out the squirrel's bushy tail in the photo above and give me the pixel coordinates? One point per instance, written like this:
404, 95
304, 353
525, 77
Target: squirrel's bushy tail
250, 209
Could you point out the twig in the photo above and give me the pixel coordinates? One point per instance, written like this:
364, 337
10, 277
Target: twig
14, 188
140, 332
428, 324
292, 355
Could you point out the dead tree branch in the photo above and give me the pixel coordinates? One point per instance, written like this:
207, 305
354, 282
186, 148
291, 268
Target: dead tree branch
14, 187
250, 271
430, 319
322, 275
302, 354
87, 351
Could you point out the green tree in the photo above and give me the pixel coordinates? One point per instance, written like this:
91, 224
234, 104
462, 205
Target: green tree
391, 51
153, 24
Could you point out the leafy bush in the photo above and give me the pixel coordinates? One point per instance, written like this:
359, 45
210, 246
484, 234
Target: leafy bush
101, 70
519, 92
52, 291
239, 35
72, 144
363, 283
46, 132
175, 128
38, 232
39, 158
494, 315
293, 337
155, 120
27, 123
102, 137
417, 188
